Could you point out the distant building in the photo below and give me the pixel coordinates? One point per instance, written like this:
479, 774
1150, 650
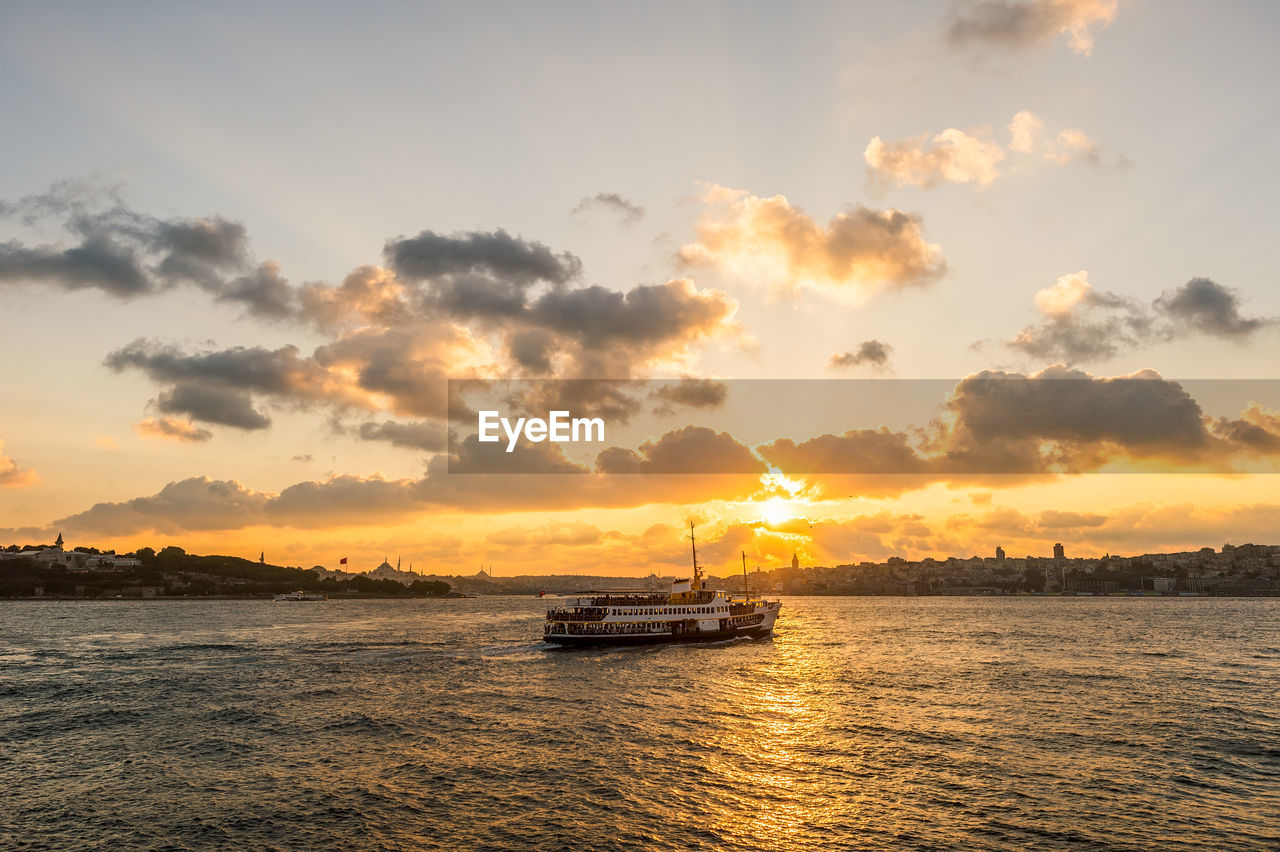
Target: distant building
385, 571
1058, 552
795, 561
1000, 554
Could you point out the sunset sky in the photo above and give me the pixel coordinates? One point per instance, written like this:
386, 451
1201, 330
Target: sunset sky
243, 250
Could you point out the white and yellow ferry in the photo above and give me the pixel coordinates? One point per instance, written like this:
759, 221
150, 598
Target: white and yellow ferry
690, 612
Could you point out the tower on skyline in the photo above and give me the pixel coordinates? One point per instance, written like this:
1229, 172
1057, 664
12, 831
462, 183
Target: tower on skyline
1058, 552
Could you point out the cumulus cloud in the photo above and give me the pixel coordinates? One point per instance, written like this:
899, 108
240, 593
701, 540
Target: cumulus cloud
197, 503
874, 353
1051, 519
443, 306
461, 483
1011, 25
858, 451
996, 428
13, 476
692, 449
108, 246
1082, 324
424, 435
1058, 420
1255, 432
954, 157
771, 242
1027, 136
495, 254
172, 429
1064, 417
1024, 130
1208, 307
688, 393
629, 212
218, 386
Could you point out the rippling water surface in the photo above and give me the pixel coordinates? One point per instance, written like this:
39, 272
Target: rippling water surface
865, 723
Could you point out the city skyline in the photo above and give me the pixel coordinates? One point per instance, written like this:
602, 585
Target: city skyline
237, 279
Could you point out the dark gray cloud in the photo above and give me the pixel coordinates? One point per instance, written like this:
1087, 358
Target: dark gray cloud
688, 393
197, 503
430, 255
1082, 337
1098, 325
199, 250
212, 404
858, 451
873, 352
397, 334
200, 503
1056, 421
264, 291
126, 254
648, 314
1143, 414
93, 263
278, 371
532, 349
627, 211
415, 435
1207, 306
469, 456
1016, 25
996, 424
692, 449
219, 386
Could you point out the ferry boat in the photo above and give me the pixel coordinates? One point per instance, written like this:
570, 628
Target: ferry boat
300, 596
690, 612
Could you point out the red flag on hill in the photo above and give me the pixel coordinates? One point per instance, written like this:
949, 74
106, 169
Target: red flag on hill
342, 561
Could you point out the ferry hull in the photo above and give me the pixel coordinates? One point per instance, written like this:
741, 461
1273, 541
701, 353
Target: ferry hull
580, 641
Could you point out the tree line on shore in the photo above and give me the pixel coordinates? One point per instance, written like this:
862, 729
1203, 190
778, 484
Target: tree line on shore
172, 571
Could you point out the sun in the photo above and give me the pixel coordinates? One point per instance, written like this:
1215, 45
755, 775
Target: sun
775, 510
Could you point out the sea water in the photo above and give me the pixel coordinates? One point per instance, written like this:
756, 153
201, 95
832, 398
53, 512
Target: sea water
864, 723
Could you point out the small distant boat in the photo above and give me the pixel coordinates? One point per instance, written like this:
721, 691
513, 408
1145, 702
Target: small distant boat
688, 613
300, 596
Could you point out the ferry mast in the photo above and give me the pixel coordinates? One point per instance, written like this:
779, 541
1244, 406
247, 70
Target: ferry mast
696, 584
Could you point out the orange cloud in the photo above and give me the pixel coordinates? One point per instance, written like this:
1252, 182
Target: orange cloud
769, 241
955, 157
12, 476
172, 429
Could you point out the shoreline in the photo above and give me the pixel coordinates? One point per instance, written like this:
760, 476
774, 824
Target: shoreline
260, 599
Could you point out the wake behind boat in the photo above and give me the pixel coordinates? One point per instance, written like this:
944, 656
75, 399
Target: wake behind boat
300, 596
688, 613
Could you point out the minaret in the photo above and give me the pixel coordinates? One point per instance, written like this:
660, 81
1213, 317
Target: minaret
58, 543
